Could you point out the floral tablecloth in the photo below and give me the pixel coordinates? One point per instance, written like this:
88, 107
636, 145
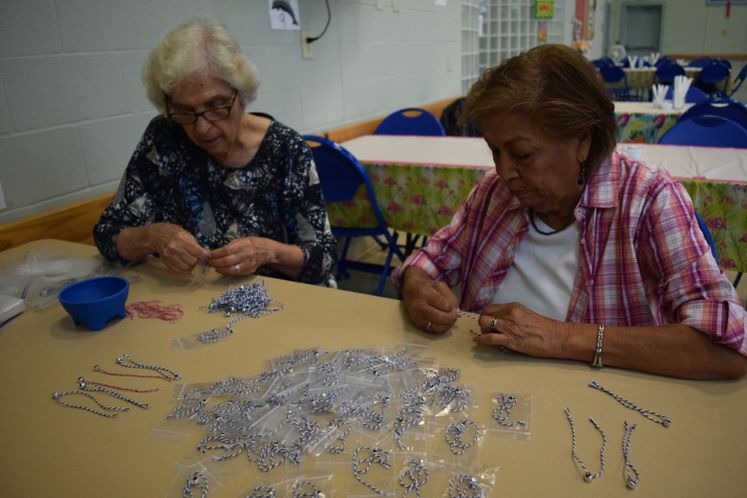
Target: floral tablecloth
642, 122
643, 77
420, 193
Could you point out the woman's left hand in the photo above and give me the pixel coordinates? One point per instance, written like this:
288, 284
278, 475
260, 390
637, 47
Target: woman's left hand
240, 256
517, 328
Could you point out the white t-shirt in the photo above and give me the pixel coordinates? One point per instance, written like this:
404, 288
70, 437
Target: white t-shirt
544, 269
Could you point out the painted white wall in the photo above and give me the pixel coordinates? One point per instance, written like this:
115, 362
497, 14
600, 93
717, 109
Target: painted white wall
72, 105
692, 27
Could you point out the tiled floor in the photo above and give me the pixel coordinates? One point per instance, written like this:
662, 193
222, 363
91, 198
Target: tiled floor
365, 249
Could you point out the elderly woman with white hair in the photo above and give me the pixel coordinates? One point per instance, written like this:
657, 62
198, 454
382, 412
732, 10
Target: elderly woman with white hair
211, 184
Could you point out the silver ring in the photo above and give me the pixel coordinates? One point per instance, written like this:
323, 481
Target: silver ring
494, 325
236, 268
428, 326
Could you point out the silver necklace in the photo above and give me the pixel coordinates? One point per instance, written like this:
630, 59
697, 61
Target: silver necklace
502, 413
111, 392
126, 361
306, 489
414, 477
59, 395
632, 476
263, 492
649, 414
464, 486
361, 465
456, 432
588, 476
195, 480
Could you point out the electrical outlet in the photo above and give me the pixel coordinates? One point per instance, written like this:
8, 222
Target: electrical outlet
306, 51
2, 198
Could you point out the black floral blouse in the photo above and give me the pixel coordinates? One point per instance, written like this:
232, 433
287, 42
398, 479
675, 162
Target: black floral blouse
277, 196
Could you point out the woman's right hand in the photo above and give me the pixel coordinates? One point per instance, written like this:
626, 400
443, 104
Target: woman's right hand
430, 304
176, 247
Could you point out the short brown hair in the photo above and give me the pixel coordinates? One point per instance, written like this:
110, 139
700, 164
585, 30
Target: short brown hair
558, 89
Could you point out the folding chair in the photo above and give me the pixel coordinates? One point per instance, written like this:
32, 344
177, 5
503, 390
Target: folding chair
410, 121
694, 95
340, 175
615, 82
707, 131
739, 79
665, 73
725, 108
713, 78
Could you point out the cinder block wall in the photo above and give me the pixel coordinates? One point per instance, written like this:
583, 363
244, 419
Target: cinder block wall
72, 104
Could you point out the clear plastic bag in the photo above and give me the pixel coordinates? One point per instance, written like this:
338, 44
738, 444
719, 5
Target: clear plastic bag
472, 479
512, 415
40, 275
205, 338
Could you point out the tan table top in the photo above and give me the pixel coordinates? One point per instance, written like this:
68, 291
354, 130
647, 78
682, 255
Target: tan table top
49, 450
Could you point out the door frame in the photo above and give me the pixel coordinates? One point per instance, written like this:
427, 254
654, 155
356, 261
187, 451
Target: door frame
624, 15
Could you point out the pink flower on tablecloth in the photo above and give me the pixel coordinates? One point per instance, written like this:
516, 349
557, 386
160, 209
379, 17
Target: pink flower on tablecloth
440, 184
445, 211
394, 207
716, 223
389, 181
623, 119
658, 120
744, 238
708, 200
418, 200
728, 200
727, 263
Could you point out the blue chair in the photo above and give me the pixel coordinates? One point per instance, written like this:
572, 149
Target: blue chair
713, 78
616, 82
410, 121
340, 175
707, 131
604, 61
665, 73
726, 108
738, 80
694, 95
661, 61
707, 235
700, 62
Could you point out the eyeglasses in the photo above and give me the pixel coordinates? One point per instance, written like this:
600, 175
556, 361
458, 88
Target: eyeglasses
211, 115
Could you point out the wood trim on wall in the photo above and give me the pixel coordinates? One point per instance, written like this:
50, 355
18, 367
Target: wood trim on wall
349, 132
73, 222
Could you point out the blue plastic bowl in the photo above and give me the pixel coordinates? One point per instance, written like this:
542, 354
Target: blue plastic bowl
95, 301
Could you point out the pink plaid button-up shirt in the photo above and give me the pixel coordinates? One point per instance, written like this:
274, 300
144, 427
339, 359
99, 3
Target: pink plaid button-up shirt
642, 257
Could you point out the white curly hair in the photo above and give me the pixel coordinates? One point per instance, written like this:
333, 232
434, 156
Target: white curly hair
197, 47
